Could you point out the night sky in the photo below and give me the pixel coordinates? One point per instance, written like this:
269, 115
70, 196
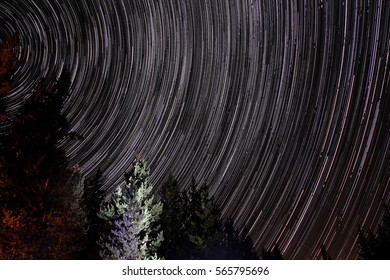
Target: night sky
282, 107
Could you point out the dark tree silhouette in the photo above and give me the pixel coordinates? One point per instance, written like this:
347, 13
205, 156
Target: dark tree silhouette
231, 248
376, 246
247, 245
324, 253
271, 254
41, 215
235, 247
92, 199
174, 221
193, 227
205, 224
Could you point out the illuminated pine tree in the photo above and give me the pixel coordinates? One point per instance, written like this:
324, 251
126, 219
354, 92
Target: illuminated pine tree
121, 243
135, 195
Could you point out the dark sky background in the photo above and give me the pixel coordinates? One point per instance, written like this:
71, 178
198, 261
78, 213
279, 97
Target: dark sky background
282, 107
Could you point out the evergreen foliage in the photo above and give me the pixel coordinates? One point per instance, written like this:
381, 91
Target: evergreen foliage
122, 241
92, 199
191, 223
41, 216
205, 225
231, 242
271, 254
31, 153
174, 221
135, 196
324, 253
376, 246
248, 252
193, 227
234, 246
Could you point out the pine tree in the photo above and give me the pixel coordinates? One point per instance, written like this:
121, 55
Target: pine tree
193, 227
92, 199
234, 246
41, 216
324, 253
205, 231
147, 211
68, 222
376, 246
31, 151
246, 244
136, 195
191, 223
122, 243
119, 204
230, 249
174, 221
272, 254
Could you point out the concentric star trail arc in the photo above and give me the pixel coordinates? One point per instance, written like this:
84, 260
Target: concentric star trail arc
282, 107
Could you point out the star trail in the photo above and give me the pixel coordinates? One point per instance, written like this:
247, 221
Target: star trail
282, 107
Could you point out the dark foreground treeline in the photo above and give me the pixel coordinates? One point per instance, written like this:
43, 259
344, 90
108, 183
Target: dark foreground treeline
49, 211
